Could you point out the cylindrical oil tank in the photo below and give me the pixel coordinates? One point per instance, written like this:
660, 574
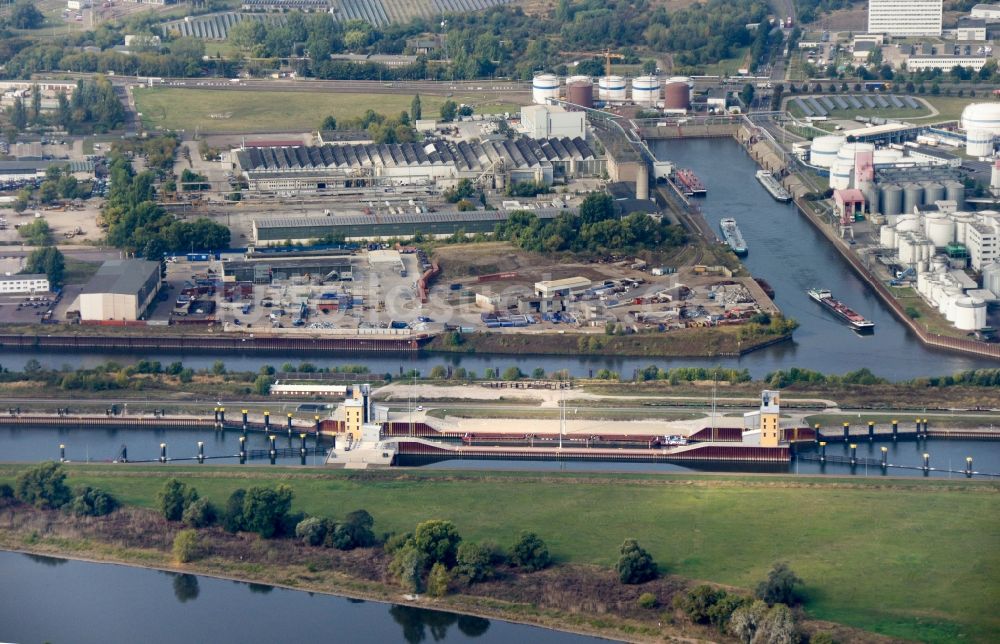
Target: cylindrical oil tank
940, 230
840, 175
955, 191
892, 199
962, 221
848, 151
887, 156
939, 264
926, 251
544, 87
970, 313
933, 191
580, 93
991, 278
907, 224
676, 96
823, 150
578, 78
612, 88
923, 282
913, 196
887, 237
979, 143
646, 90
907, 250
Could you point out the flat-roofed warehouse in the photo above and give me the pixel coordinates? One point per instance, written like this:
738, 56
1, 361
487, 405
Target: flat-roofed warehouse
266, 269
122, 289
353, 165
277, 230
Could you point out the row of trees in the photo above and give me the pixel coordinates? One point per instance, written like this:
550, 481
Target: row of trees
44, 486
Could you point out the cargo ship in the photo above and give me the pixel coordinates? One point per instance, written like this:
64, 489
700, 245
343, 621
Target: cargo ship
731, 233
690, 184
771, 184
841, 310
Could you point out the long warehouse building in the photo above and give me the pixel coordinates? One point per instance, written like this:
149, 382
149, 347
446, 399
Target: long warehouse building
278, 230
293, 169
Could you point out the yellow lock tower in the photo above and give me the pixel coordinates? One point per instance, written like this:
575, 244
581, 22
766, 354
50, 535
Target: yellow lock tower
770, 418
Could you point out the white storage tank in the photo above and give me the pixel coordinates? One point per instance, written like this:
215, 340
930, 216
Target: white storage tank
682, 79
939, 264
940, 229
923, 283
840, 175
848, 151
887, 156
962, 220
969, 313
909, 251
544, 87
823, 150
979, 143
646, 90
887, 237
612, 88
981, 122
991, 278
907, 224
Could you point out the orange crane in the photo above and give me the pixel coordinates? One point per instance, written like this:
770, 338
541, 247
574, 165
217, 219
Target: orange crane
607, 55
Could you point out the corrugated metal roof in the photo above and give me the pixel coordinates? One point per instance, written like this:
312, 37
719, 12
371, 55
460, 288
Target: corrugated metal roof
122, 276
406, 218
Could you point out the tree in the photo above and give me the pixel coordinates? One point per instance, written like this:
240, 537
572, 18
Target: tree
19, 115
408, 565
746, 95
26, 16
218, 367
43, 486
512, 373
312, 531
48, 260
746, 620
262, 385
475, 561
185, 546
416, 111
448, 111
173, 499
635, 566
264, 509
438, 541
329, 123
37, 233
92, 502
530, 552
780, 586
354, 532
777, 627
232, 518
199, 514
438, 580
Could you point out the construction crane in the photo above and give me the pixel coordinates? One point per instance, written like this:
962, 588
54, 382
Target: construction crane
608, 56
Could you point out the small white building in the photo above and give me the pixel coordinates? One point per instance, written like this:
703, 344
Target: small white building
546, 121
30, 283
945, 63
307, 389
563, 287
987, 11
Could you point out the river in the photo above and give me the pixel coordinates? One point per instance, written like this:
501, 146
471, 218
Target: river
54, 600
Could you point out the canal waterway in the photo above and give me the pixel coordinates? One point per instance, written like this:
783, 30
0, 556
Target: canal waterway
24, 444
53, 600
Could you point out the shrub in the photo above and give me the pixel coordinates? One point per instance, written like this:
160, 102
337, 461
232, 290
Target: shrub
822, 638
6, 491
635, 566
232, 519
647, 600
697, 602
312, 531
396, 541
265, 509
475, 561
174, 497
92, 502
780, 586
199, 514
43, 486
186, 546
530, 552
438, 580
407, 566
438, 541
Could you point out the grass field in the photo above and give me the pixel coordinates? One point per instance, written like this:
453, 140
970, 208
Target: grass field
949, 108
911, 559
172, 108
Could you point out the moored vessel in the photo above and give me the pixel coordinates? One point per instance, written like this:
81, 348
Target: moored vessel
772, 186
855, 320
689, 182
732, 235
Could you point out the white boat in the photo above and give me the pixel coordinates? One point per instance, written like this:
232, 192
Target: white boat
772, 186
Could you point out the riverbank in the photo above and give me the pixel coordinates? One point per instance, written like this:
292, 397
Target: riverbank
727, 529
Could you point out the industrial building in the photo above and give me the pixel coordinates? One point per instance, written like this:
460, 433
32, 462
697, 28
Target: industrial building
945, 63
987, 11
264, 269
276, 230
292, 169
563, 287
541, 122
122, 289
29, 283
905, 17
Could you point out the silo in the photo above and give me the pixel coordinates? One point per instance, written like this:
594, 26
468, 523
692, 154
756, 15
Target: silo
848, 151
923, 282
887, 237
642, 182
939, 264
612, 89
892, 199
870, 192
544, 87
913, 196
969, 313
907, 250
955, 191
823, 151
933, 191
962, 221
676, 96
580, 93
840, 175
646, 90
